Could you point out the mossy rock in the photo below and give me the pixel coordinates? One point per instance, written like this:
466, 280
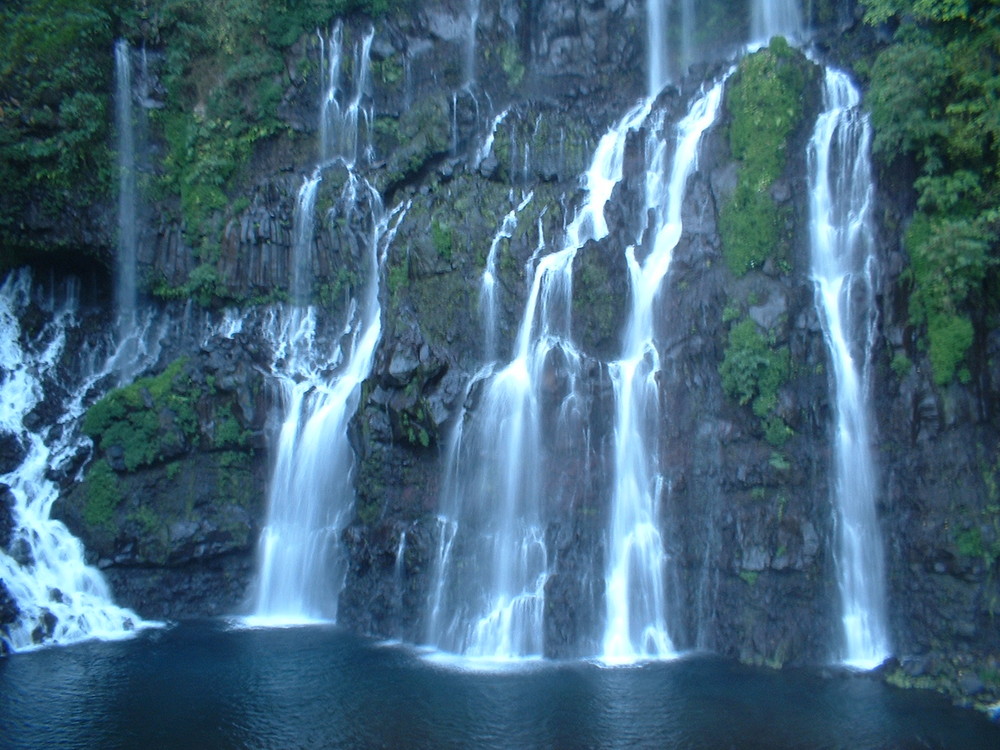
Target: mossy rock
600, 300
767, 99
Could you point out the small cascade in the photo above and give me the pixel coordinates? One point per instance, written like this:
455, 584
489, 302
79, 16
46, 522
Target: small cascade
488, 297
843, 267
771, 18
341, 119
488, 598
311, 497
487, 147
54, 595
126, 294
636, 623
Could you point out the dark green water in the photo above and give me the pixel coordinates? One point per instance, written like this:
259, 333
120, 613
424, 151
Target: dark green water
201, 685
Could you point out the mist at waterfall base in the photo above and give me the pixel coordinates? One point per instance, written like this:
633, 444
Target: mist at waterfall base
202, 684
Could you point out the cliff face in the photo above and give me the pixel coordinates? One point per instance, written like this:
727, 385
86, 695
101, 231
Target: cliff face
746, 511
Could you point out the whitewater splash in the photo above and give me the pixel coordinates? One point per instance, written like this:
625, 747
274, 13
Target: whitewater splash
54, 595
843, 266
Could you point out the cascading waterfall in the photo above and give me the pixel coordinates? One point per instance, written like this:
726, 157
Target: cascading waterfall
340, 119
771, 18
311, 496
58, 597
841, 195
636, 623
128, 239
492, 564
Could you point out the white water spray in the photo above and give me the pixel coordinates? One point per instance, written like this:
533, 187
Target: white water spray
841, 194
60, 598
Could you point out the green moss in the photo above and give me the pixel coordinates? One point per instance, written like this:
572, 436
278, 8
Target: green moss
510, 61
443, 239
753, 370
749, 577
103, 495
901, 365
147, 420
950, 337
765, 103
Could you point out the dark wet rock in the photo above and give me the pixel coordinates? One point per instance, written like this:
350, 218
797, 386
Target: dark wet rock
7, 525
9, 611
12, 452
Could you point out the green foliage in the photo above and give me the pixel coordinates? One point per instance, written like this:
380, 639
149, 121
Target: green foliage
753, 370
443, 239
55, 69
749, 577
148, 420
764, 99
103, 495
510, 61
933, 98
901, 365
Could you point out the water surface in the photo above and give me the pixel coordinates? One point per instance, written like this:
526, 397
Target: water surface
204, 685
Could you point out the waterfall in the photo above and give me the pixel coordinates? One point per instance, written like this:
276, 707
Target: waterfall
841, 195
57, 596
303, 233
635, 591
771, 18
341, 118
311, 496
488, 297
656, 38
128, 240
492, 563
470, 46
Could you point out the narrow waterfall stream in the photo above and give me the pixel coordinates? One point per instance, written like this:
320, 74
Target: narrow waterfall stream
128, 228
635, 592
841, 195
44, 579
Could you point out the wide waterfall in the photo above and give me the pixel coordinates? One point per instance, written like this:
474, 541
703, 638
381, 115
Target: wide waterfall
44, 578
128, 228
843, 267
635, 592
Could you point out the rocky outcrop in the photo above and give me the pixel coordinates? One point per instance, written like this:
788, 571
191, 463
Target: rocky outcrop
171, 503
